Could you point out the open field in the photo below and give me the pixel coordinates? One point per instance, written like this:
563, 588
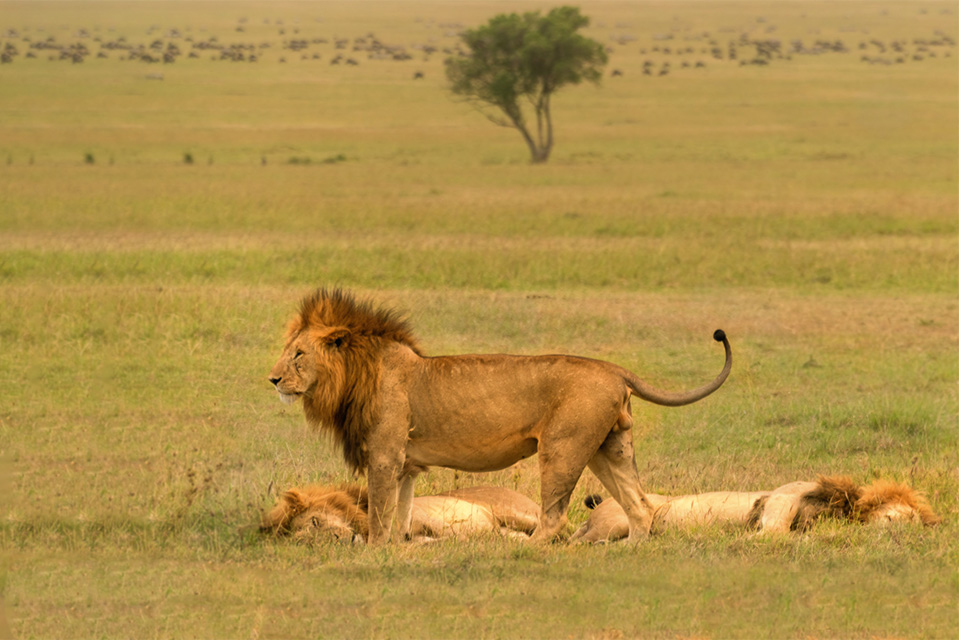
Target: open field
156, 235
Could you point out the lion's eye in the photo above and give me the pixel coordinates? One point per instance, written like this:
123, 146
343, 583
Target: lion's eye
298, 354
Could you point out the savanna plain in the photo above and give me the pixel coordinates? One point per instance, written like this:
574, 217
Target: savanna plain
160, 221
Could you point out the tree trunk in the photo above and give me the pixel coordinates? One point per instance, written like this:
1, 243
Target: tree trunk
537, 152
544, 144
540, 155
548, 144
541, 147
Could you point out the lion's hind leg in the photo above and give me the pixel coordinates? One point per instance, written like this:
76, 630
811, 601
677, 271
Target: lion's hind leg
556, 487
562, 462
615, 467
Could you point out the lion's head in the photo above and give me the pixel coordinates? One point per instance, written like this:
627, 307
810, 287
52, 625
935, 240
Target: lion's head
884, 502
330, 359
337, 512
881, 502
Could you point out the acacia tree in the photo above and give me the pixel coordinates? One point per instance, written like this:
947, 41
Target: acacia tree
517, 62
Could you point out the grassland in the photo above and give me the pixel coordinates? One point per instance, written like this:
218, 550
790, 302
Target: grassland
807, 206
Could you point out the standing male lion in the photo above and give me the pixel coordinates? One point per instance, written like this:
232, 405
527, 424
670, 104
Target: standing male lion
395, 412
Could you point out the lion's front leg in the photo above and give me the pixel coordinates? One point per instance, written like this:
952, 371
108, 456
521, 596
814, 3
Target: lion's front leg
405, 505
779, 512
382, 494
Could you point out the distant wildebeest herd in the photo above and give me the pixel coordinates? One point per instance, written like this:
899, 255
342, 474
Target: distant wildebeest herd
175, 44
667, 52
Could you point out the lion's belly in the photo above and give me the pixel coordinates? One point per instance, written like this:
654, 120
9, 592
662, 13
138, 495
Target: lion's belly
487, 412
484, 455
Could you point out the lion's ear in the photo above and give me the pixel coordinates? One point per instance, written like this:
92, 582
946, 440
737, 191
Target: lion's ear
294, 499
335, 337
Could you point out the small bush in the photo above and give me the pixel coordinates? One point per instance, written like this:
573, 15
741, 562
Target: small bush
308, 160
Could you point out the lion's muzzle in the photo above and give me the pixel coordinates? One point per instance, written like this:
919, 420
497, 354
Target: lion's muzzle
285, 398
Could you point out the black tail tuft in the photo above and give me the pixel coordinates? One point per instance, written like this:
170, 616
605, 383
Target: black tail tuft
591, 501
719, 335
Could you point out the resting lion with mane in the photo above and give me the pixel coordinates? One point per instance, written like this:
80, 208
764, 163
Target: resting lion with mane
395, 412
791, 507
340, 513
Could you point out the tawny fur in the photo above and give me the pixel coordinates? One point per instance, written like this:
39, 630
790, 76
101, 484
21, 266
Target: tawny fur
510, 509
394, 412
607, 522
341, 513
884, 501
791, 507
338, 511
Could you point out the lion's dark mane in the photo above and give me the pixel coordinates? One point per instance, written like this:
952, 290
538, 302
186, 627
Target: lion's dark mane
349, 413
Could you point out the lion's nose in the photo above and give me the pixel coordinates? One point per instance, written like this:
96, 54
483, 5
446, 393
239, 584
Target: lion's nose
275, 381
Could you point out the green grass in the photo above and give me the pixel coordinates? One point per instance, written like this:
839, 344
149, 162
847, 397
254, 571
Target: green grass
808, 207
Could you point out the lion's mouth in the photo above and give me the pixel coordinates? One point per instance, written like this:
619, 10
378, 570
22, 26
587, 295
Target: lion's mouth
288, 398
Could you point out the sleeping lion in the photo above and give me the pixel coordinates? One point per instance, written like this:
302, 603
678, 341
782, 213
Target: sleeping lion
341, 513
791, 507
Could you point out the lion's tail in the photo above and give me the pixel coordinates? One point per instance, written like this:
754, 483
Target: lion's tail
643, 390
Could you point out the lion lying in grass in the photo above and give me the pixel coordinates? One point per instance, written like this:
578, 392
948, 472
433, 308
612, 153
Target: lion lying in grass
341, 513
791, 507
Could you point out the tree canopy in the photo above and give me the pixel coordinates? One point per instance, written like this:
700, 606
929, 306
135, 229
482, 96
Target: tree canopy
517, 62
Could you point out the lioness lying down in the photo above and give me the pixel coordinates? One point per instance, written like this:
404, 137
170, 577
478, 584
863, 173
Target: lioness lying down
791, 507
342, 513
